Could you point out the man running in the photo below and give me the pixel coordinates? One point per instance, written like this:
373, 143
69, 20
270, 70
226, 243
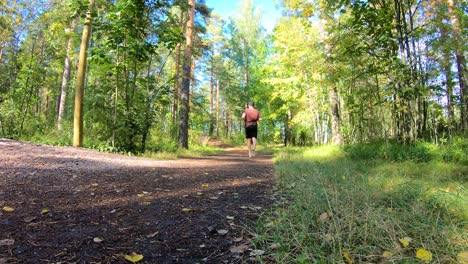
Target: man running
251, 116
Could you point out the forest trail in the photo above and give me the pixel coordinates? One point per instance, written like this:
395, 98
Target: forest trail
74, 205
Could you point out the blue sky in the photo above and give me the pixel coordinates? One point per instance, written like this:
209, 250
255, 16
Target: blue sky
226, 8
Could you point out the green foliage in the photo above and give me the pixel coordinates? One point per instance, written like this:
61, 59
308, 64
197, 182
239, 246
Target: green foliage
331, 204
419, 152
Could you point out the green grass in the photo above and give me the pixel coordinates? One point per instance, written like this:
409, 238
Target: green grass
193, 151
367, 203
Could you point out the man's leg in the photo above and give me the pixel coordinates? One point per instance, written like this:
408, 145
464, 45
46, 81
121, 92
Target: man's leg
249, 146
254, 145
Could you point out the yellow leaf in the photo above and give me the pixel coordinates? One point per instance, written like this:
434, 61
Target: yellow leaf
8, 209
44, 211
134, 257
140, 195
146, 203
347, 257
423, 254
387, 254
186, 209
205, 185
405, 241
462, 257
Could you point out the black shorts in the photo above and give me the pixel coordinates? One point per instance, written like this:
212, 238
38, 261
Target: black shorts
251, 131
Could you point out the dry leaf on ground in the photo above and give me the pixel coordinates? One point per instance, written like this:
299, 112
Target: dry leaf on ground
239, 249
7, 242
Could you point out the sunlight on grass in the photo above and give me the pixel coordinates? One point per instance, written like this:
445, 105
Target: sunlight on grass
362, 207
323, 153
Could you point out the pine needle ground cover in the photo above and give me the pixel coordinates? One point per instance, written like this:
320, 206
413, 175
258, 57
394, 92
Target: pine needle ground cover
344, 206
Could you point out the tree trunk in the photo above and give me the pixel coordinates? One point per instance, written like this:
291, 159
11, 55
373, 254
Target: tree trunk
212, 84
175, 107
333, 92
217, 108
2, 46
80, 79
334, 104
65, 78
185, 93
192, 83
449, 90
461, 63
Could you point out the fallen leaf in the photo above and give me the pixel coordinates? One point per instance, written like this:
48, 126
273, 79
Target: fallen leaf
462, 257
44, 211
328, 237
274, 246
230, 217
347, 257
423, 254
152, 235
323, 217
29, 219
387, 254
205, 185
134, 257
222, 231
405, 241
97, 240
202, 246
140, 195
7, 242
239, 249
146, 203
238, 239
186, 209
257, 252
8, 209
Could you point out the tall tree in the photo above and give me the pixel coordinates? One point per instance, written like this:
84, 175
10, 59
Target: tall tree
81, 77
65, 77
175, 106
185, 92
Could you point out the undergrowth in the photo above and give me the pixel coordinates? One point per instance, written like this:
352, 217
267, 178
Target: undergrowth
362, 203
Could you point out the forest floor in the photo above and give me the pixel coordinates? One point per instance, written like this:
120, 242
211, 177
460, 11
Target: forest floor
74, 205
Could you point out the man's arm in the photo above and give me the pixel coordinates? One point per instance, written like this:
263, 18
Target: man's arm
243, 115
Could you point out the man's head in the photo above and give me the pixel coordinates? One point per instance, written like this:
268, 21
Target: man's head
251, 104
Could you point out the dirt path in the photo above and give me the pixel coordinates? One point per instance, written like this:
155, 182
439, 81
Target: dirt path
177, 211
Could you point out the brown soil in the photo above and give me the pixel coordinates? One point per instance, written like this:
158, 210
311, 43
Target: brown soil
170, 211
